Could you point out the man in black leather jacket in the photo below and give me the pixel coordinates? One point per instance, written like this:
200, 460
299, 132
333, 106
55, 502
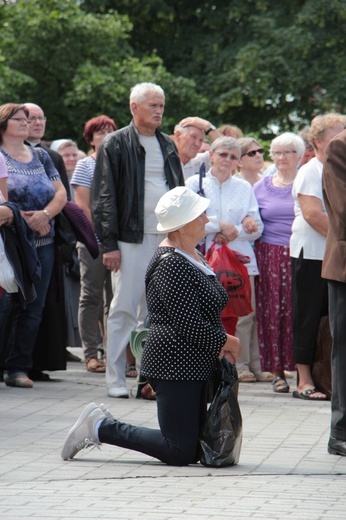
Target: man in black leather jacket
135, 166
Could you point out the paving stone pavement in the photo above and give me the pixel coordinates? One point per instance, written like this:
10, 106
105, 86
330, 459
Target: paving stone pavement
284, 469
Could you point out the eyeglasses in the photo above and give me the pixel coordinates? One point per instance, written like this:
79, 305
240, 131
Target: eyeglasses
253, 152
225, 155
19, 119
31, 119
286, 153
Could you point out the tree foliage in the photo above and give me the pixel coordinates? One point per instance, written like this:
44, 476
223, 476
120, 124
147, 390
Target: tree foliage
77, 65
255, 63
259, 62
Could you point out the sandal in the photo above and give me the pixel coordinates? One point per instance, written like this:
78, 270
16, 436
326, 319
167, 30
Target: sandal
95, 365
131, 371
245, 376
280, 385
264, 377
308, 395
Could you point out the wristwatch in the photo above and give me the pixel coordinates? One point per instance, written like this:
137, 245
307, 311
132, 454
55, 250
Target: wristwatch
46, 212
212, 127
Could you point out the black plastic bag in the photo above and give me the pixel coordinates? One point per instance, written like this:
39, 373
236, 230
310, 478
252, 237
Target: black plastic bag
221, 437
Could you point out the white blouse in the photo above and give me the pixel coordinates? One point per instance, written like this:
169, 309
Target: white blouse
230, 202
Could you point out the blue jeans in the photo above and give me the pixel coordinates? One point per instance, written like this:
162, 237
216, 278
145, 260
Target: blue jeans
26, 322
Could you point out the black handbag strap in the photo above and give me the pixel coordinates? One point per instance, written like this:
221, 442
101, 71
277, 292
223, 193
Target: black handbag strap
155, 265
201, 176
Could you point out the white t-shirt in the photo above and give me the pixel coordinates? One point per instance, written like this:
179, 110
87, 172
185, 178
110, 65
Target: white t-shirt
155, 183
307, 182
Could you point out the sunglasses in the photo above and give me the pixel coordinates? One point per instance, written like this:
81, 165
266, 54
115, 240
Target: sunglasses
253, 152
224, 155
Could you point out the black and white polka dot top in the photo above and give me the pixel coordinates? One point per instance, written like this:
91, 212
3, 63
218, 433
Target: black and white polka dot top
186, 332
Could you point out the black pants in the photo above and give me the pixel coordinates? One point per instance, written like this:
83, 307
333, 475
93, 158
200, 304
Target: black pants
310, 303
181, 410
337, 313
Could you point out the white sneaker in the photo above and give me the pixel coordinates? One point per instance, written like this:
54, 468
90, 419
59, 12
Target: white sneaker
106, 411
118, 392
82, 433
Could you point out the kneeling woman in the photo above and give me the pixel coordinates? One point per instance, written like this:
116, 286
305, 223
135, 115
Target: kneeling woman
186, 337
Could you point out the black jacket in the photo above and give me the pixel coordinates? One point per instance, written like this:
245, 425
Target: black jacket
117, 195
21, 253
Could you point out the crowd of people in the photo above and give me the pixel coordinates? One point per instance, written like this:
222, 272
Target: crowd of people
149, 200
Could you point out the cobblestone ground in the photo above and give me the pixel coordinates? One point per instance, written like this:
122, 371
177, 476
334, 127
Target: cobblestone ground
284, 470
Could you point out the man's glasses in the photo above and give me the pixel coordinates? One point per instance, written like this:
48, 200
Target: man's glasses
286, 153
19, 119
253, 152
225, 155
41, 119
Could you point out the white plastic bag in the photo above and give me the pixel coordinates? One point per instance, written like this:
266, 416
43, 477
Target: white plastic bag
7, 278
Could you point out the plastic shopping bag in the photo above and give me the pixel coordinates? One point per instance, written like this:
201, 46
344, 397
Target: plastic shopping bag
234, 277
221, 437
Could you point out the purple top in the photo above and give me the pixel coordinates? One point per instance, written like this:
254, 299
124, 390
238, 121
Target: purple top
3, 167
276, 209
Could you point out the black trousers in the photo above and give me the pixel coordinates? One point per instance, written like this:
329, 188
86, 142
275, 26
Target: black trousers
310, 303
337, 316
181, 410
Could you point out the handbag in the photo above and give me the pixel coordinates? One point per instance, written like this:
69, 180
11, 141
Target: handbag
7, 277
222, 434
234, 277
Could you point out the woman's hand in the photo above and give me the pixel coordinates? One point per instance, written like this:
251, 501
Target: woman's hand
228, 231
249, 225
37, 221
231, 349
219, 238
6, 216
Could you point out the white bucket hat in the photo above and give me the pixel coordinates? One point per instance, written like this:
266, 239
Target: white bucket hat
178, 207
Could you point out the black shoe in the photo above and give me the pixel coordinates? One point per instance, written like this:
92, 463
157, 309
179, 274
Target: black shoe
72, 357
337, 447
37, 375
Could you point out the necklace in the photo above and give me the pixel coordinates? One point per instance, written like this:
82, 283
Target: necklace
284, 183
15, 155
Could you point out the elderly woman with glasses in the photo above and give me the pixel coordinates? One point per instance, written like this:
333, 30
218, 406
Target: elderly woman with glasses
273, 286
251, 160
233, 212
249, 365
185, 339
34, 184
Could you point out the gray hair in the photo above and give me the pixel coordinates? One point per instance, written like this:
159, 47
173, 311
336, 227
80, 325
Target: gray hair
140, 92
225, 142
289, 139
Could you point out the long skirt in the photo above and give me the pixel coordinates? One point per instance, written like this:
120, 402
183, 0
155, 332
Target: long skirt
274, 307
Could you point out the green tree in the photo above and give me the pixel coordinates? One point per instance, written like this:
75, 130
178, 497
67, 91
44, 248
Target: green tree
77, 65
259, 62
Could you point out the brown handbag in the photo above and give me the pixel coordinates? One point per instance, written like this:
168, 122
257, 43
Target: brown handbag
321, 368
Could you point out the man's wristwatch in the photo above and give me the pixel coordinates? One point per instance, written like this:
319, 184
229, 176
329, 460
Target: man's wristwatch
46, 212
212, 127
